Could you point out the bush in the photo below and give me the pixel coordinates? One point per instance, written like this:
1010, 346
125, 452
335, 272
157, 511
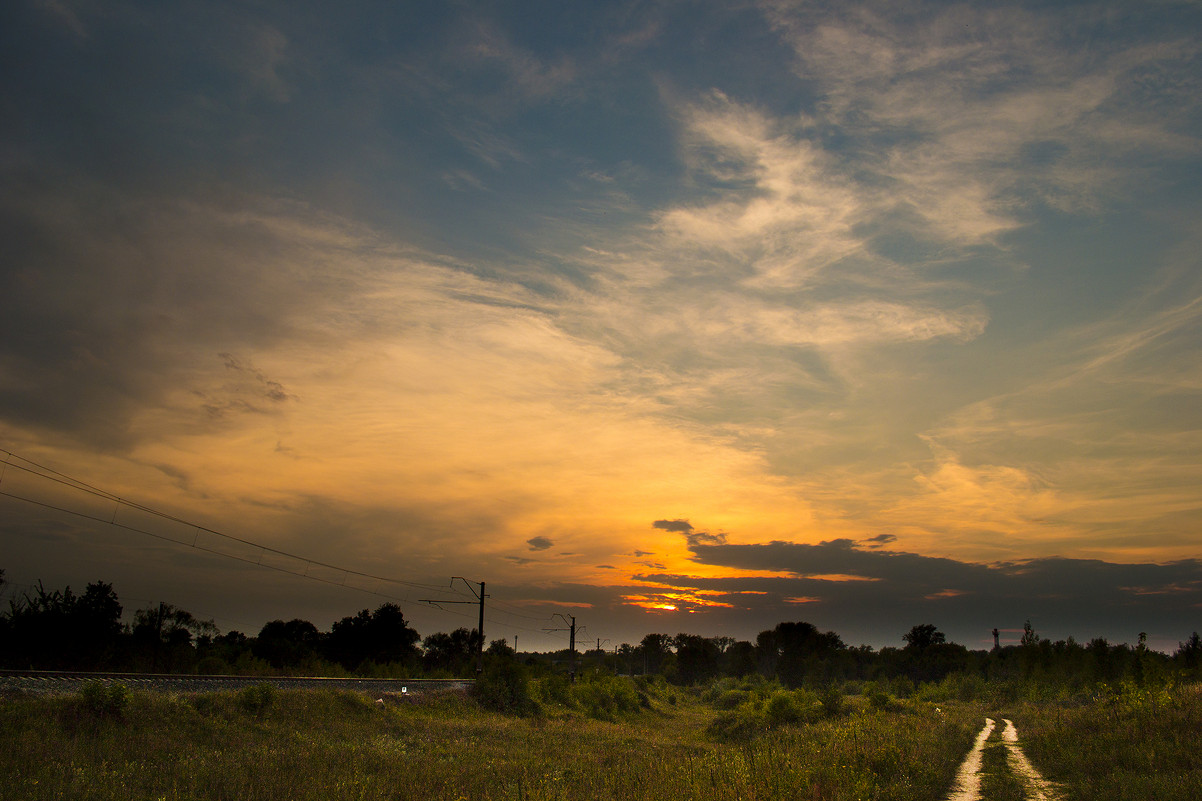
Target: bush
742, 724
782, 708
731, 699
831, 699
504, 686
213, 666
718, 688
878, 698
554, 689
104, 700
258, 698
605, 697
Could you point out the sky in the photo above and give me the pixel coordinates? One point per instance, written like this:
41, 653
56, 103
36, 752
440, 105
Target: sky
666, 316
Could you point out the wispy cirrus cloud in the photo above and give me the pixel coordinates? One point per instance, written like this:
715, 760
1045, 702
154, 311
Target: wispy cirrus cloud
907, 285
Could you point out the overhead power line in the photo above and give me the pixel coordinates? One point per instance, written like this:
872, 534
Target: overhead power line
267, 556
203, 538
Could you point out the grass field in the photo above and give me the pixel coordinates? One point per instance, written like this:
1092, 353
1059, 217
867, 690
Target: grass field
670, 744
1128, 744
332, 745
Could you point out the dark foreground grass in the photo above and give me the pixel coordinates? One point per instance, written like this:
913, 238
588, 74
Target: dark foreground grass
334, 745
1126, 744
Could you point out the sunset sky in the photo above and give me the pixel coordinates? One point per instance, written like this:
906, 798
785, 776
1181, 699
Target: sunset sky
673, 316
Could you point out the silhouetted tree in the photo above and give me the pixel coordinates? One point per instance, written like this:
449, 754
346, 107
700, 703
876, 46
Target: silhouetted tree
287, 645
163, 637
500, 649
1189, 654
382, 637
656, 648
58, 629
739, 659
454, 652
923, 636
696, 658
794, 651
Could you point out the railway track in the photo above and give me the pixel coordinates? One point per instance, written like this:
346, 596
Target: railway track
59, 682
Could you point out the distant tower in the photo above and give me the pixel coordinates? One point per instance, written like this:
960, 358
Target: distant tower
995, 644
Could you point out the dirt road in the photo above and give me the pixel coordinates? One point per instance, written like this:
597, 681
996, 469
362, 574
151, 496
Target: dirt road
967, 786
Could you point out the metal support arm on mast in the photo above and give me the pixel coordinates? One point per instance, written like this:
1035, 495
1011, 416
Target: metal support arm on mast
480, 596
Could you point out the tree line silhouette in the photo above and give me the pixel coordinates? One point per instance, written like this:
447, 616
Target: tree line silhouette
60, 630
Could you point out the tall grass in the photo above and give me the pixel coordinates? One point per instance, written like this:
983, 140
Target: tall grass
339, 745
1125, 743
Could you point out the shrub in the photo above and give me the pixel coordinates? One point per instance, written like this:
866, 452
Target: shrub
718, 688
878, 698
782, 708
104, 700
741, 724
831, 699
213, 666
504, 686
731, 699
605, 697
258, 698
554, 689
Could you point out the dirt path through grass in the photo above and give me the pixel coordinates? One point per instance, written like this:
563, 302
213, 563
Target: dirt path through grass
1038, 788
967, 786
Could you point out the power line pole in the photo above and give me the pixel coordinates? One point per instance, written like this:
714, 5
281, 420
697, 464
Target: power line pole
480, 596
572, 642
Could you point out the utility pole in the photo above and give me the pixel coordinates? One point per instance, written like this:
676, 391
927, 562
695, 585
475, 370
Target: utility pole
572, 642
480, 596
601, 642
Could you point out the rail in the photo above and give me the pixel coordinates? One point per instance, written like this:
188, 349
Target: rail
58, 682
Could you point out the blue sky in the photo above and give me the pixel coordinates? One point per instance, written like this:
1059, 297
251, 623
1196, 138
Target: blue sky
683, 316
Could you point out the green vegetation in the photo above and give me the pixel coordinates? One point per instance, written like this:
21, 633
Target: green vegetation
327, 744
605, 737
796, 714
1124, 743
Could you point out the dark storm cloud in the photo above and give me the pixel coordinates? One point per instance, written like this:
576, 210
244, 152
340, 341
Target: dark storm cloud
844, 583
539, 543
693, 536
107, 307
839, 556
704, 538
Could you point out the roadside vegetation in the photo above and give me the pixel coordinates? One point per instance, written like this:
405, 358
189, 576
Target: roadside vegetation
795, 715
602, 737
648, 741
1124, 742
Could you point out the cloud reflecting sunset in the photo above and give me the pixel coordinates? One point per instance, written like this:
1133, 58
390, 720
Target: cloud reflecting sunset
685, 318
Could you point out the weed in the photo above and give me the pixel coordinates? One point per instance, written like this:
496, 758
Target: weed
504, 686
831, 699
104, 700
257, 698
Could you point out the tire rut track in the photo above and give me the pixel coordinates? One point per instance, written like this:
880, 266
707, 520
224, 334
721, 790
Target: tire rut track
967, 785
